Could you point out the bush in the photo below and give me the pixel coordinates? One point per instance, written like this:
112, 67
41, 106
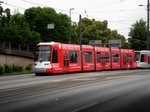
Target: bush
12, 68
1, 69
16, 68
7, 68
20, 69
29, 67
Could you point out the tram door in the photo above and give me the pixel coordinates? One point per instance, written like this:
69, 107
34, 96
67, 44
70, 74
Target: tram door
148, 59
124, 62
101, 61
66, 62
104, 60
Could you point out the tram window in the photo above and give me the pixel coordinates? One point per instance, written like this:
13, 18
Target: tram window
88, 56
98, 57
137, 56
55, 56
107, 57
127, 58
142, 57
115, 58
73, 56
66, 56
130, 59
148, 60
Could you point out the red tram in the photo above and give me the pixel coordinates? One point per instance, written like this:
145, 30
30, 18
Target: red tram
54, 58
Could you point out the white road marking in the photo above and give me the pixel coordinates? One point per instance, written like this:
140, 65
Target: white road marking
84, 107
84, 79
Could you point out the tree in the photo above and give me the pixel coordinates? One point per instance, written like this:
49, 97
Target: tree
38, 19
16, 30
98, 30
115, 35
93, 30
75, 33
62, 28
138, 39
24, 36
31, 27
1, 10
4, 20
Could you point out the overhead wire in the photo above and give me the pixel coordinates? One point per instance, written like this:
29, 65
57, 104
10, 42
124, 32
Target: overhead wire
44, 5
83, 14
119, 10
34, 3
107, 4
14, 5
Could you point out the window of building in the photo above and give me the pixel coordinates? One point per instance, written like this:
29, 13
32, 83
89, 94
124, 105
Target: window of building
88, 56
73, 56
55, 56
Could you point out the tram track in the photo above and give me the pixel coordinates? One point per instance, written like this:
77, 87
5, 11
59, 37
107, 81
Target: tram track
74, 93
10, 96
19, 93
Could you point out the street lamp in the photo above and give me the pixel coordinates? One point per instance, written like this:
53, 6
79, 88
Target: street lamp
147, 23
70, 25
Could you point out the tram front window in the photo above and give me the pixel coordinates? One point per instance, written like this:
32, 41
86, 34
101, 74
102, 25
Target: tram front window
137, 56
42, 53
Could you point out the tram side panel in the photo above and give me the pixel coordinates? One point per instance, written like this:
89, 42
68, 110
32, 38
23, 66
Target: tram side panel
74, 58
143, 59
115, 58
133, 63
88, 57
71, 58
102, 58
57, 59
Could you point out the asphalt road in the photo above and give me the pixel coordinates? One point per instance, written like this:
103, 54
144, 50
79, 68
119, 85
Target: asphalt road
107, 91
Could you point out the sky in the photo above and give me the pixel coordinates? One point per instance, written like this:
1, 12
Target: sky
120, 14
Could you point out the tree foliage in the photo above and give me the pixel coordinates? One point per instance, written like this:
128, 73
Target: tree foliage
31, 27
138, 39
98, 30
38, 19
15, 29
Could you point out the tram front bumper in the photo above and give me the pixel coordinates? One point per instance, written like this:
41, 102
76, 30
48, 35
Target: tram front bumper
38, 70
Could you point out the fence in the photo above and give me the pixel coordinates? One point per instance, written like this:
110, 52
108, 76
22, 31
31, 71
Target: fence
8, 48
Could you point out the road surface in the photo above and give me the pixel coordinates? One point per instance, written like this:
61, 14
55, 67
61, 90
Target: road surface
117, 91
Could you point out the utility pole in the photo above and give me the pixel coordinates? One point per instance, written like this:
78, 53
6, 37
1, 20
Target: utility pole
80, 41
70, 25
148, 40
80, 35
148, 25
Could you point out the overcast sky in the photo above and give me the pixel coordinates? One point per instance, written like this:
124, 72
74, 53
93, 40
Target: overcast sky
120, 14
